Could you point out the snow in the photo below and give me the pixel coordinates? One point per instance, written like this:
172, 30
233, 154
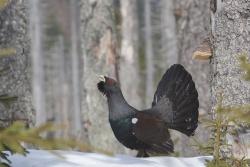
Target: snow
42, 158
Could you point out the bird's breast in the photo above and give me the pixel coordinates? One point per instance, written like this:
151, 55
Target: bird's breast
123, 131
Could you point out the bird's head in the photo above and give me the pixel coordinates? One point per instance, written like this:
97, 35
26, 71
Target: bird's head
107, 86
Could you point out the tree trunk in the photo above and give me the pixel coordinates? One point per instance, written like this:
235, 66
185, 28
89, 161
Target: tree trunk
129, 71
15, 68
149, 53
99, 53
169, 48
192, 28
231, 38
37, 61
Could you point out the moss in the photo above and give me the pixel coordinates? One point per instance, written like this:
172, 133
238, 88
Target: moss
245, 66
5, 52
3, 4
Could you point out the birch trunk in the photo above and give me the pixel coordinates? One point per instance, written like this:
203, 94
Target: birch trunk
231, 38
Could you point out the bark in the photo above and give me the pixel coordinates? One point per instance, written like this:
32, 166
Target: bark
37, 61
129, 71
149, 54
192, 22
99, 53
15, 69
169, 49
75, 53
231, 38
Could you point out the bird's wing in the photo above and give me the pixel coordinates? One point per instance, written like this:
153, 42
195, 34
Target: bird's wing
176, 100
151, 130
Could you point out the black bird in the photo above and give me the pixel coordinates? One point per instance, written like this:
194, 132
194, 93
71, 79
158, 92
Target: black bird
175, 106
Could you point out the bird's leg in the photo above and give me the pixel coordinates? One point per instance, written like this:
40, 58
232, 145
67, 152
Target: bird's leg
142, 153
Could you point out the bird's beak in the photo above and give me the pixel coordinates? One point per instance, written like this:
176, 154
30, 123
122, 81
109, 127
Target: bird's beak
101, 78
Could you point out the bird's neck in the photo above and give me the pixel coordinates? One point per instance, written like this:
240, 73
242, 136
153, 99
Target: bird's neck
118, 106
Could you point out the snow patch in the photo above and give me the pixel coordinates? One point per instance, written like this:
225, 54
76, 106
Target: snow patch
41, 158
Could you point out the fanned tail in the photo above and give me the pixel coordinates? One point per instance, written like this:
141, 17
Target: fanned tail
178, 87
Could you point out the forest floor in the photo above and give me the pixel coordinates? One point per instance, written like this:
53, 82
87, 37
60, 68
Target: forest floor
42, 158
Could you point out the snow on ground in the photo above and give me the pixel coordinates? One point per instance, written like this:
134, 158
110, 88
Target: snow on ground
41, 158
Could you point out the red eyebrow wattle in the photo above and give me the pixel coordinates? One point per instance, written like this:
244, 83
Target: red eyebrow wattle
110, 81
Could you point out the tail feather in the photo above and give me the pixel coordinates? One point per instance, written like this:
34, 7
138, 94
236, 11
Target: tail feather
182, 91
185, 115
164, 148
186, 102
177, 85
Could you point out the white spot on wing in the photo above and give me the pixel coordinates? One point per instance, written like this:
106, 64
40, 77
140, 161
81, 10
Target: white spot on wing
134, 120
